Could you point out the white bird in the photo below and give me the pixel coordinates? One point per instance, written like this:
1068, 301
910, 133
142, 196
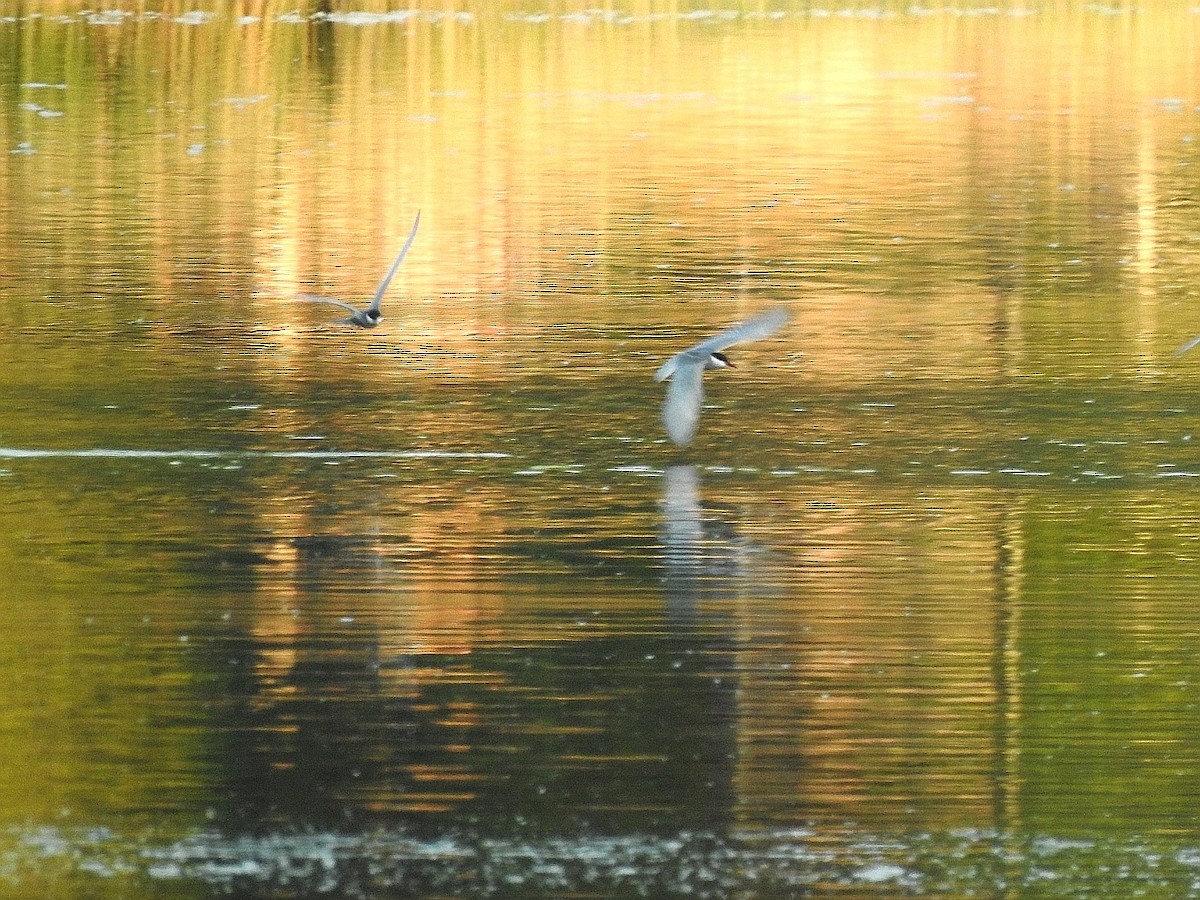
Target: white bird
369, 317
685, 393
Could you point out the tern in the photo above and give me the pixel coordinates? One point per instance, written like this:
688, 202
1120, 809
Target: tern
369, 317
685, 393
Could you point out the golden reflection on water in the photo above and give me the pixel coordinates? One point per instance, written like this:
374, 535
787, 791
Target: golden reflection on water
982, 223
888, 670
803, 156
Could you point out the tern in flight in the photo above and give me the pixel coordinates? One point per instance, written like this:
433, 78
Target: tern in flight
685, 393
369, 317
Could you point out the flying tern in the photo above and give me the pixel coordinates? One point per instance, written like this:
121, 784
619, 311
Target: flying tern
685, 393
369, 317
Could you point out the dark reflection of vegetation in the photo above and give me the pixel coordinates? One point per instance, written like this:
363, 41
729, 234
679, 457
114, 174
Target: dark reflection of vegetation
612, 735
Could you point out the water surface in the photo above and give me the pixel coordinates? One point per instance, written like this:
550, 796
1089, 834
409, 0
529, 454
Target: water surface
435, 609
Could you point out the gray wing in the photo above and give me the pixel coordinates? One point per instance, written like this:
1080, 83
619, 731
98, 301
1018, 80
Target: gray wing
667, 369
387, 279
316, 298
755, 329
681, 409
1188, 346
759, 327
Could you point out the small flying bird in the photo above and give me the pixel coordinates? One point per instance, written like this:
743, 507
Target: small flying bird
369, 317
685, 393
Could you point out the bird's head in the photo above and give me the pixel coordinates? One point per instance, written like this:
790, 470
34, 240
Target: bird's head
719, 361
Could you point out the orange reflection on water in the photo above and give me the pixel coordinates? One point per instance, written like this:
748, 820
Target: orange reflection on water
888, 702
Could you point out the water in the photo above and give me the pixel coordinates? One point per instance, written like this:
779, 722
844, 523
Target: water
435, 609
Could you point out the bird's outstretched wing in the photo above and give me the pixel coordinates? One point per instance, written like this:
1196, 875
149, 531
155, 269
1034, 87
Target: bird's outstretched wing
316, 298
681, 409
1188, 346
759, 327
387, 279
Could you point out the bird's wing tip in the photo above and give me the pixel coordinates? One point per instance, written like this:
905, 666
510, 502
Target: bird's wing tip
1188, 346
780, 314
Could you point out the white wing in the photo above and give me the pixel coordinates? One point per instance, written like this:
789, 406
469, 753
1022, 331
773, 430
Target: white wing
667, 369
758, 327
681, 409
315, 298
387, 279
755, 329
1188, 346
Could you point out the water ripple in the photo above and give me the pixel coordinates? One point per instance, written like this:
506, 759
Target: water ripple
141, 453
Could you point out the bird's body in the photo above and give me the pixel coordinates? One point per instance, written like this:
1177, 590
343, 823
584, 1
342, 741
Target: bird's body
685, 393
370, 316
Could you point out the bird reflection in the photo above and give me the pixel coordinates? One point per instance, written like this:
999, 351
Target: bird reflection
703, 558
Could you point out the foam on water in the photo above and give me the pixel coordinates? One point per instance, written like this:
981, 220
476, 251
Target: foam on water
967, 862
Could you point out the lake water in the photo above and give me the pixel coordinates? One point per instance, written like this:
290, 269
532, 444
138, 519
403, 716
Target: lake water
291, 609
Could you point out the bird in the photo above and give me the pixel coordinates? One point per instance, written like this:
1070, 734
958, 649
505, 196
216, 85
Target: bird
685, 393
371, 316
